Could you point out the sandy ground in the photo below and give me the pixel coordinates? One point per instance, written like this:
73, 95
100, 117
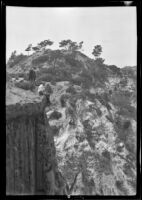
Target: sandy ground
15, 95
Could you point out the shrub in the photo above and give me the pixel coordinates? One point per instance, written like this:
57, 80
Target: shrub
50, 70
99, 73
47, 51
119, 99
86, 79
99, 61
119, 149
44, 70
131, 111
40, 59
106, 154
76, 81
83, 81
125, 135
13, 75
44, 77
17, 59
115, 70
26, 76
86, 125
110, 92
53, 82
131, 145
123, 82
105, 96
104, 164
122, 135
126, 124
128, 111
61, 78
65, 73
58, 74
25, 85
70, 59
21, 75
61, 64
39, 82
72, 62
71, 90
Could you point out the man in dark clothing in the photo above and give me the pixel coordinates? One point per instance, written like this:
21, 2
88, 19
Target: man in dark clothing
32, 75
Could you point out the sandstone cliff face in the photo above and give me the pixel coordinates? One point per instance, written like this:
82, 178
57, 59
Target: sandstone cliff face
95, 140
31, 166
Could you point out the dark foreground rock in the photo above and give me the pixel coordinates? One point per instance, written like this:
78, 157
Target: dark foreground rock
31, 166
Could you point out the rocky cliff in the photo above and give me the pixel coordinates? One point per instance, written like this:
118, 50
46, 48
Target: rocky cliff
84, 143
95, 143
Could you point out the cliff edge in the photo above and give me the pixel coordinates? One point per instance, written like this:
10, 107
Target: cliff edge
20, 102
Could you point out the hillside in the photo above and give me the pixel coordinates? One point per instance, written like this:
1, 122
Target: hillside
95, 129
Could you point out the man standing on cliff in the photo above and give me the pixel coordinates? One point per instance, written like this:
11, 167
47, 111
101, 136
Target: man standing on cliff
32, 76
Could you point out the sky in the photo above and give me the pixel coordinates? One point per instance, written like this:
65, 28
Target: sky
114, 28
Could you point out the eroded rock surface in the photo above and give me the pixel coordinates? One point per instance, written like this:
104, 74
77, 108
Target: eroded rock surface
95, 142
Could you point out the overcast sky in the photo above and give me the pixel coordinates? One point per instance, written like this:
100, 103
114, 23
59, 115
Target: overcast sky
112, 27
